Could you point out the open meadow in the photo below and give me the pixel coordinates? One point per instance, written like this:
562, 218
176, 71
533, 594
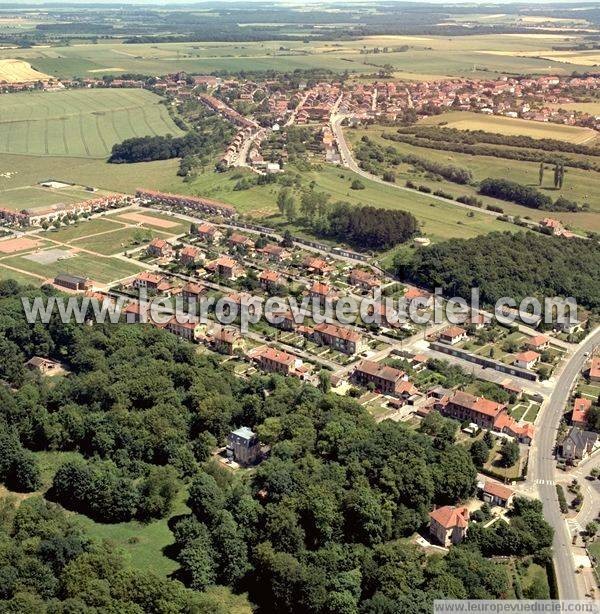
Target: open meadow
580, 185
438, 220
81, 123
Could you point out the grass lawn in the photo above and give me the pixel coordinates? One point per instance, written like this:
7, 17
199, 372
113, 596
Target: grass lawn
591, 391
532, 412
29, 170
118, 241
102, 270
83, 228
22, 278
30, 197
519, 410
493, 465
535, 575
594, 549
142, 543
438, 220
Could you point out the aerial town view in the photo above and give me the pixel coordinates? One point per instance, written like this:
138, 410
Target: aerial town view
299, 307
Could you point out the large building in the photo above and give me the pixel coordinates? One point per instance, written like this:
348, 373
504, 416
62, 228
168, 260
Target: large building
483, 412
72, 282
339, 338
386, 379
197, 203
243, 446
463, 407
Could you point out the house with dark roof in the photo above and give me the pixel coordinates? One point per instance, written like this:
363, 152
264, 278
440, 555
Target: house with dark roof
72, 282
578, 444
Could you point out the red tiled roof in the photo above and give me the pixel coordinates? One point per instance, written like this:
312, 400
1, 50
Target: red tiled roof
413, 293
528, 356
375, 369
271, 276
147, 276
498, 490
337, 331
595, 367
450, 516
192, 252
538, 341
581, 408
277, 356
453, 331
478, 404
320, 288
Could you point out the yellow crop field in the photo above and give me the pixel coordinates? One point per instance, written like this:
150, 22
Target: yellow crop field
18, 71
513, 126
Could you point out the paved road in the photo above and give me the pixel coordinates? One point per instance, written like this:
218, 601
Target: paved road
349, 162
543, 467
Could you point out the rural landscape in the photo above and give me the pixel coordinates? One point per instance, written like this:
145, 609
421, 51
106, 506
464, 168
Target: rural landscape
282, 306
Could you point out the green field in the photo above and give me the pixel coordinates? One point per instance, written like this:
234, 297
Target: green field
31, 197
466, 120
82, 228
580, 185
101, 270
439, 220
117, 241
27, 171
80, 123
475, 56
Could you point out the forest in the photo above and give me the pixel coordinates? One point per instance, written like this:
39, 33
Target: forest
509, 264
320, 526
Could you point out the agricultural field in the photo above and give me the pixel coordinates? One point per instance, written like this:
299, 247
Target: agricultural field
593, 108
36, 196
580, 185
19, 171
433, 55
79, 123
465, 120
18, 71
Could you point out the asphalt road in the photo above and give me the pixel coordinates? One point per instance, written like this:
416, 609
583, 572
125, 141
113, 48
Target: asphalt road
543, 467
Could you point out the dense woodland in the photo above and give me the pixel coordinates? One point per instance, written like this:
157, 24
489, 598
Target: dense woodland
366, 227
507, 264
318, 527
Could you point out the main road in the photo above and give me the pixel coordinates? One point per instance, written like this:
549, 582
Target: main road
543, 465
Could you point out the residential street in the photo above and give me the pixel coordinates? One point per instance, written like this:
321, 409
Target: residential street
542, 469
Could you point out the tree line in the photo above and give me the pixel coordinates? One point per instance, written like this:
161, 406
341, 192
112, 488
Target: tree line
528, 196
372, 156
428, 141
